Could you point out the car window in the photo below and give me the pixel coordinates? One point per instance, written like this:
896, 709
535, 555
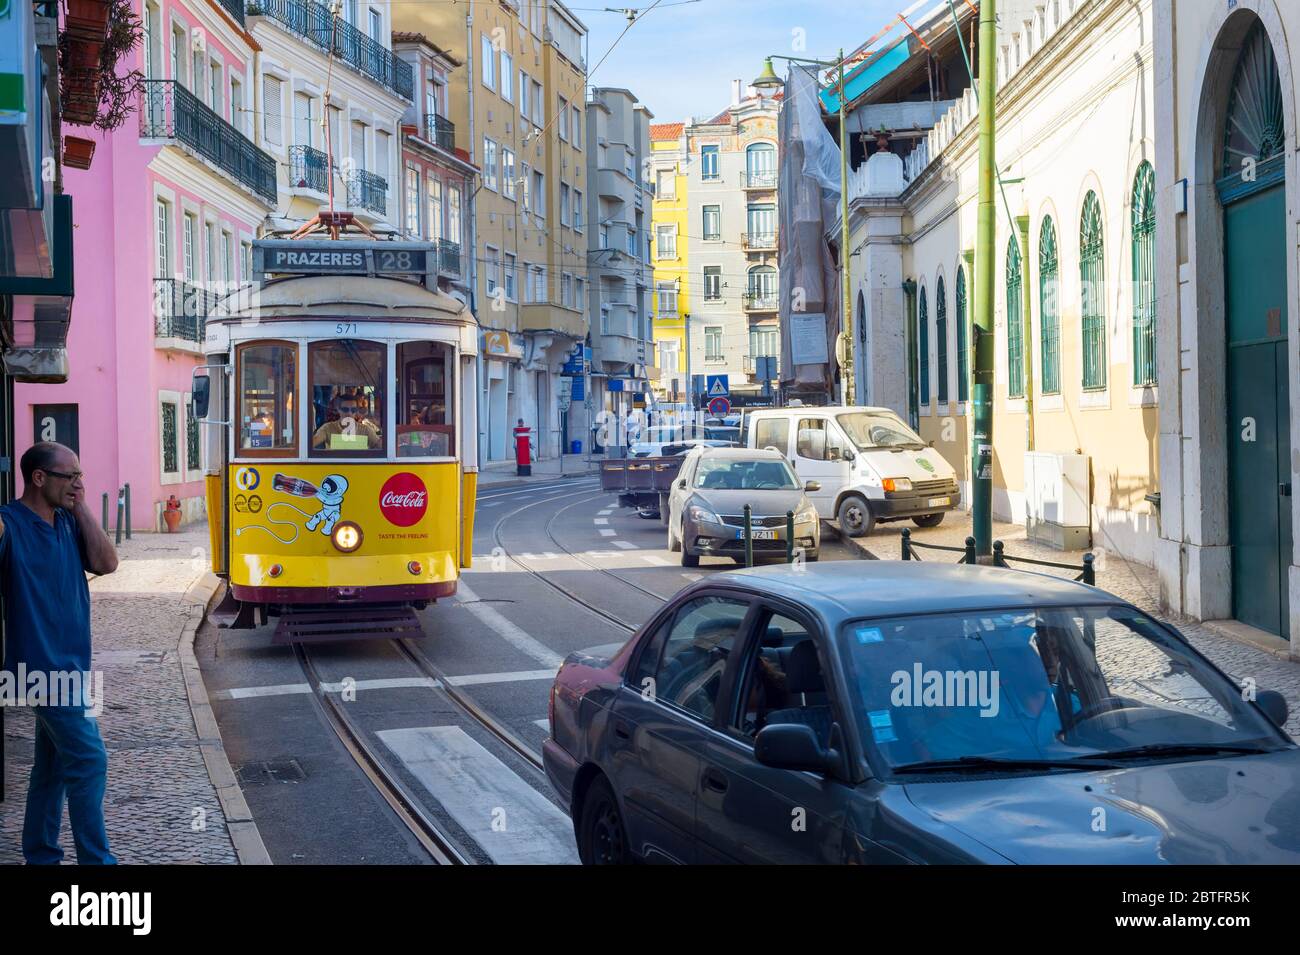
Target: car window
695, 654
642, 679
733, 474
772, 433
817, 441
783, 681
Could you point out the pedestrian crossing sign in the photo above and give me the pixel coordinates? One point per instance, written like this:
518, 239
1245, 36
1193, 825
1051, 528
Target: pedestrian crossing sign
716, 386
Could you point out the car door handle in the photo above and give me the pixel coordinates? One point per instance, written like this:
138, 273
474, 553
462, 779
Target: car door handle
1284, 489
621, 730
715, 781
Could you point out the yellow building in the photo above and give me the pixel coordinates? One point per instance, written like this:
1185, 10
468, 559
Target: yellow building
671, 248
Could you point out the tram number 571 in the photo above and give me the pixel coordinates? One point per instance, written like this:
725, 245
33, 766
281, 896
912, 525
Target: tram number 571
345, 328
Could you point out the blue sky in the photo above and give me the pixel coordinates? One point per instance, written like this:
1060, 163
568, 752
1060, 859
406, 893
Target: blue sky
680, 60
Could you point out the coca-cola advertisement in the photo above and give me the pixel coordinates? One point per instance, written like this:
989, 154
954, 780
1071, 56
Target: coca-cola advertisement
299, 487
403, 499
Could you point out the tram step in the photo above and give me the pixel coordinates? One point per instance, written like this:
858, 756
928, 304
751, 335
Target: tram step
323, 626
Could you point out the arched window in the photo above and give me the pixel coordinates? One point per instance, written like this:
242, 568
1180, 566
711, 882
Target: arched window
923, 347
963, 349
1255, 131
1144, 276
1015, 324
1049, 308
761, 293
760, 165
941, 337
1092, 294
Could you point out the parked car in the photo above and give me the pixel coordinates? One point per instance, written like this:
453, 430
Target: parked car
706, 506
871, 466
908, 712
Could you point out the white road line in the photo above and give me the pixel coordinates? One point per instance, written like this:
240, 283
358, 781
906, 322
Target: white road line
626, 545
545, 724
607, 532
509, 819
606, 512
513, 635
392, 683
654, 559
600, 520
248, 692
478, 679
293, 689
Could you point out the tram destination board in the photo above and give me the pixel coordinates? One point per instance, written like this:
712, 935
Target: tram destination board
344, 257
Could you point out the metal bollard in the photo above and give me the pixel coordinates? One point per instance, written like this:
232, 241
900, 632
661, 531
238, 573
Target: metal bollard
117, 530
970, 551
749, 536
1089, 572
104, 508
998, 559
907, 544
789, 537
128, 511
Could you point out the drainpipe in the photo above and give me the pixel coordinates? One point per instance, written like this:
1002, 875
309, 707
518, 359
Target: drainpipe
1026, 335
913, 403
471, 212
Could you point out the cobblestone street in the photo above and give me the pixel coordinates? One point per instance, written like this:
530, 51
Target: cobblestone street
161, 805
1134, 582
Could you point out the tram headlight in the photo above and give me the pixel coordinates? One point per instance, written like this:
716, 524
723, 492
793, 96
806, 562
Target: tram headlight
347, 536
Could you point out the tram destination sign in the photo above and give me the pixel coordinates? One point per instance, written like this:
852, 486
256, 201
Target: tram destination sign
343, 257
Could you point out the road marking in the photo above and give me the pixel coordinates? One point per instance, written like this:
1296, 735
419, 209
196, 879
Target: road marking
293, 689
507, 630
607, 532
544, 723
600, 520
654, 559
248, 692
532, 490
509, 819
517, 676
626, 545
606, 512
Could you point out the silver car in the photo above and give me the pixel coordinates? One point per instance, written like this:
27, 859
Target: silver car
707, 506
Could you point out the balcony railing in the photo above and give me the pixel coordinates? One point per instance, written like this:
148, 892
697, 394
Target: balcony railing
235, 8
181, 310
170, 111
364, 54
440, 131
763, 179
308, 168
758, 241
368, 191
759, 301
449, 257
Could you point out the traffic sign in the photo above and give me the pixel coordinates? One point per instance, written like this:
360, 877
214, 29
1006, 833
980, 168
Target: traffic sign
716, 386
719, 406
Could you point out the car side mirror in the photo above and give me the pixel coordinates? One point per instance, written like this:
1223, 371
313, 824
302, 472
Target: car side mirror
201, 395
811, 486
791, 746
1274, 706
849, 455
682, 484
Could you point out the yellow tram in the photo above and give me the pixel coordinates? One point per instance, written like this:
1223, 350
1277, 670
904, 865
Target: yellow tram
339, 394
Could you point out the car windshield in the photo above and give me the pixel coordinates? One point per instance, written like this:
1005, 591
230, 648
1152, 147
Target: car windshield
1059, 683
732, 474
878, 429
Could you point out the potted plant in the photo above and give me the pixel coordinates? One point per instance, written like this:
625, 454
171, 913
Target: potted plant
95, 91
172, 514
78, 152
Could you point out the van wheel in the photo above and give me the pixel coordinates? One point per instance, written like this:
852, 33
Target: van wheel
855, 517
602, 837
928, 520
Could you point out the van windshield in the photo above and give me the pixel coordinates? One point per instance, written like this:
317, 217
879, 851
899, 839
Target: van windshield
878, 429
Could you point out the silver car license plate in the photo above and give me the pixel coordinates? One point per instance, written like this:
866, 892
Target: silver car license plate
939, 501
758, 535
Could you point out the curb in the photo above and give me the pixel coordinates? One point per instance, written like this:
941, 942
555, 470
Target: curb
243, 831
854, 544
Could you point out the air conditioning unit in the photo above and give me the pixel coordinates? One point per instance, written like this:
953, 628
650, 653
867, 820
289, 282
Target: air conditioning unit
1058, 503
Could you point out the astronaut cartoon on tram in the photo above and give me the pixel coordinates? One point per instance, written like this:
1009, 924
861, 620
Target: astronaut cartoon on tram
338, 398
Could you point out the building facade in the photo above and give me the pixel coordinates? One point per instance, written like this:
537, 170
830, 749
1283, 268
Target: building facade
672, 244
1227, 191
619, 208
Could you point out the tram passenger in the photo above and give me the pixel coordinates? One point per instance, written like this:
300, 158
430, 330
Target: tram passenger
344, 408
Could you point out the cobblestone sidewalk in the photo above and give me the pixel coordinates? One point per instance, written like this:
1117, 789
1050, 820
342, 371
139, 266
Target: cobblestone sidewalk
161, 805
1133, 582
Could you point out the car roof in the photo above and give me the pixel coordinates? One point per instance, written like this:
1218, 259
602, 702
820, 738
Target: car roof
742, 454
876, 588
821, 409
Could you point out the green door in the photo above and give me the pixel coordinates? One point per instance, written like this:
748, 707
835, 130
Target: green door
1259, 442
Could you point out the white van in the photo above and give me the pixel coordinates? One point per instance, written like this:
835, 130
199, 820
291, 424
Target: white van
871, 466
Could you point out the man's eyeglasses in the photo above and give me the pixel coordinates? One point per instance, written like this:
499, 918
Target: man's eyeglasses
74, 476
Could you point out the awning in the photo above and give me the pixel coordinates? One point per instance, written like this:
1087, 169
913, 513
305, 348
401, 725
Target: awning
37, 312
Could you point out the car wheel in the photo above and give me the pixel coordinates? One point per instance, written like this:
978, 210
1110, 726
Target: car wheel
928, 520
674, 545
647, 513
688, 559
855, 517
602, 837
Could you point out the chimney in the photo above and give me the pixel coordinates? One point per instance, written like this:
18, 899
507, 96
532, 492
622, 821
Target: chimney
735, 92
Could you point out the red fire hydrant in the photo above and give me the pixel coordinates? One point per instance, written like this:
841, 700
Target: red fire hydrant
523, 451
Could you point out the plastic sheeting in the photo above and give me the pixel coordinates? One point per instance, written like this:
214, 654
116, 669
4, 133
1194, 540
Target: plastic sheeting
47, 366
810, 197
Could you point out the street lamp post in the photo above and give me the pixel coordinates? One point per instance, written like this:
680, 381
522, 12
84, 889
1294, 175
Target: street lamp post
768, 79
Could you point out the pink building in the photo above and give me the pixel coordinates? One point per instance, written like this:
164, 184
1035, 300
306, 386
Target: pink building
164, 221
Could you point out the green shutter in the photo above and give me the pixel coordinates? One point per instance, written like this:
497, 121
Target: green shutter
1092, 294
1015, 324
963, 356
1144, 276
941, 336
1049, 308
923, 346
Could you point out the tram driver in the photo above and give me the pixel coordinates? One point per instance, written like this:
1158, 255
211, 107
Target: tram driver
348, 422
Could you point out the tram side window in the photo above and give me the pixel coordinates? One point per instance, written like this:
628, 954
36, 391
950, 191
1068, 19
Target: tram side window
347, 397
267, 376
425, 410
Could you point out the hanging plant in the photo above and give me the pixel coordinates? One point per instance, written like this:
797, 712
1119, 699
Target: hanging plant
94, 91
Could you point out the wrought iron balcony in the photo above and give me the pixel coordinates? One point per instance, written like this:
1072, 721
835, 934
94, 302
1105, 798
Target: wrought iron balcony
763, 179
368, 191
440, 131
308, 168
758, 241
315, 23
449, 257
235, 8
759, 301
169, 111
181, 310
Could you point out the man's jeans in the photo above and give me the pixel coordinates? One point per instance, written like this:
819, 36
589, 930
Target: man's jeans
71, 761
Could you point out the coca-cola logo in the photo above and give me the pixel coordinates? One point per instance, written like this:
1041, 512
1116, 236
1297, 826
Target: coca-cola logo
403, 499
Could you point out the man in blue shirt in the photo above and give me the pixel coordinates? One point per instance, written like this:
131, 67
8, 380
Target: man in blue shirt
48, 541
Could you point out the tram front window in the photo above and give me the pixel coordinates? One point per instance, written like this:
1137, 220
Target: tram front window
347, 393
424, 411
267, 372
